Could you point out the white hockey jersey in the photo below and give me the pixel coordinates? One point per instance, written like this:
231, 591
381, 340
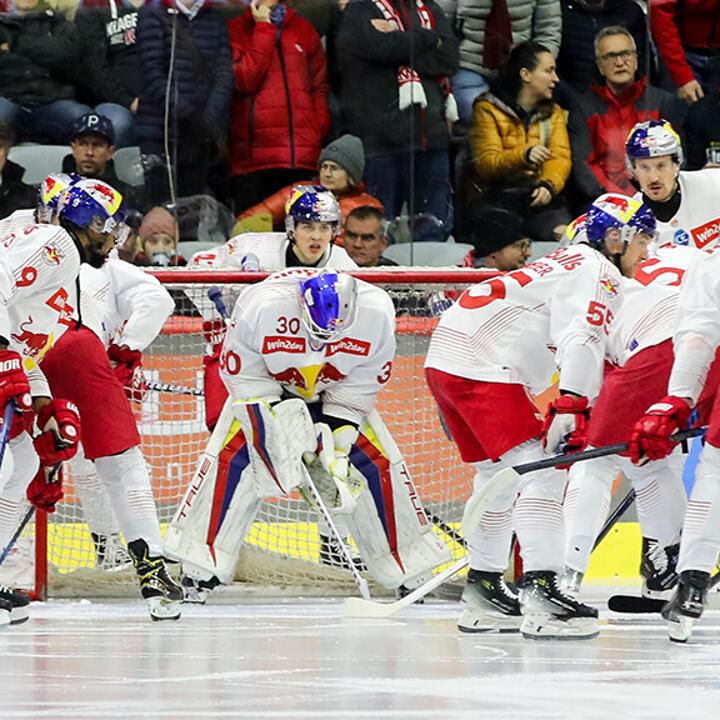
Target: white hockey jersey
519, 328
121, 303
267, 349
268, 249
648, 315
39, 265
697, 335
697, 221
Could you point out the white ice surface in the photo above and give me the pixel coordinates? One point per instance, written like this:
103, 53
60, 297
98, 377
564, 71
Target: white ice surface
86, 660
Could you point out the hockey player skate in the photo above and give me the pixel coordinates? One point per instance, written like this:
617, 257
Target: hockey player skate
658, 569
548, 613
110, 553
489, 604
686, 604
196, 591
18, 604
571, 582
162, 593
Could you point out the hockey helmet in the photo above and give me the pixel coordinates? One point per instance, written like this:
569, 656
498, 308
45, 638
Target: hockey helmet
652, 138
311, 203
615, 217
329, 305
50, 192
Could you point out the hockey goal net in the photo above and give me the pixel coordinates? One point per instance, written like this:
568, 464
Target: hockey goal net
56, 556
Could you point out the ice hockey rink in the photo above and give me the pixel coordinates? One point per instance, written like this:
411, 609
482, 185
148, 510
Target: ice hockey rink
256, 659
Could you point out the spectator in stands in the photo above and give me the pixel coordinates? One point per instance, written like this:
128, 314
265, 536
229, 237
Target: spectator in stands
702, 132
279, 108
499, 239
402, 113
341, 165
519, 142
159, 240
38, 53
601, 119
687, 35
199, 88
14, 193
92, 145
581, 22
111, 78
366, 236
487, 30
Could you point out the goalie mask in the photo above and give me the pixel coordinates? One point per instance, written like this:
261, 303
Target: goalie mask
312, 203
652, 138
328, 302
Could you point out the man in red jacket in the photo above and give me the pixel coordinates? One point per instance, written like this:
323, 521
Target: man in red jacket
279, 111
687, 35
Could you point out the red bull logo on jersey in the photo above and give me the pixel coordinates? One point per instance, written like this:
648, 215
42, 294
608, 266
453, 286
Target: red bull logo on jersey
610, 286
291, 376
53, 255
348, 345
329, 373
707, 233
283, 343
34, 342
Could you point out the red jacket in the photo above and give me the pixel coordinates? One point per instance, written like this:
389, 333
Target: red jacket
279, 111
355, 196
689, 23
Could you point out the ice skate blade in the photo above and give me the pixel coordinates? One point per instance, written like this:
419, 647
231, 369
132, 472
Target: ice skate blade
679, 630
163, 609
4, 619
543, 626
475, 620
19, 615
194, 598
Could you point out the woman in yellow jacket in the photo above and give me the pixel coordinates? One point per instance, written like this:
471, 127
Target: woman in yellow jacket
519, 142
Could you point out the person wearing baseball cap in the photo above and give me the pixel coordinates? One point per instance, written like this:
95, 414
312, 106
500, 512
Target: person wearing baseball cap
91, 139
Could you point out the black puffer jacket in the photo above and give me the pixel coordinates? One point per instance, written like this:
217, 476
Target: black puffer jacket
369, 62
581, 23
203, 77
14, 193
43, 52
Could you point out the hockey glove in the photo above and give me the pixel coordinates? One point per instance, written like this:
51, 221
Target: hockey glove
14, 384
214, 334
59, 422
650, 438
128, 370
46, 488
564, 429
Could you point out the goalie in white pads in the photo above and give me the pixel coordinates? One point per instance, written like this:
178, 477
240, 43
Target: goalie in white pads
502, 340
304, 342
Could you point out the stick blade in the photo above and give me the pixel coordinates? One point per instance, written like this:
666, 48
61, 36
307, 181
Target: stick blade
634, 604
479, 501
355, 607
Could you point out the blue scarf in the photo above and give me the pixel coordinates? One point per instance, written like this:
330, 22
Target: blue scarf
277, 17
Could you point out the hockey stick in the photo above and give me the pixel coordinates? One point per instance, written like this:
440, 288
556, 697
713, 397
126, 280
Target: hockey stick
616, 514
355, 607
179, 389
638, 604
5, 431
320, 503
478, 503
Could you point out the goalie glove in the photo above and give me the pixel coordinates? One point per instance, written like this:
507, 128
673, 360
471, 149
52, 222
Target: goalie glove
46, 488
128, 370
564, 429
650, 437
59, 423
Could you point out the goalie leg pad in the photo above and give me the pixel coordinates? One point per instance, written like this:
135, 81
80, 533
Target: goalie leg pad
276, 437
388, 522
219, 506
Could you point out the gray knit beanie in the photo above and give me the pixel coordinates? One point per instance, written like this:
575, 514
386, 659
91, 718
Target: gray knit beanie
348, 152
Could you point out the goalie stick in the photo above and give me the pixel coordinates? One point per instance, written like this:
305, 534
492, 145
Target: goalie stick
480, 500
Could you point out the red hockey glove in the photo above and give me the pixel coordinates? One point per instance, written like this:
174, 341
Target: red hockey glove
565, 426
59, 422
214, 333
128, 369
46, 488
650, 438
14, 384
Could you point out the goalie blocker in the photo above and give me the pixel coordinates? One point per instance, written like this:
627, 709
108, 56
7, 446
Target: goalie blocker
255, 451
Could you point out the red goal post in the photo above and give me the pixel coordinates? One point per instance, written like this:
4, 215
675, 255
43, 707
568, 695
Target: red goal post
282, 548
